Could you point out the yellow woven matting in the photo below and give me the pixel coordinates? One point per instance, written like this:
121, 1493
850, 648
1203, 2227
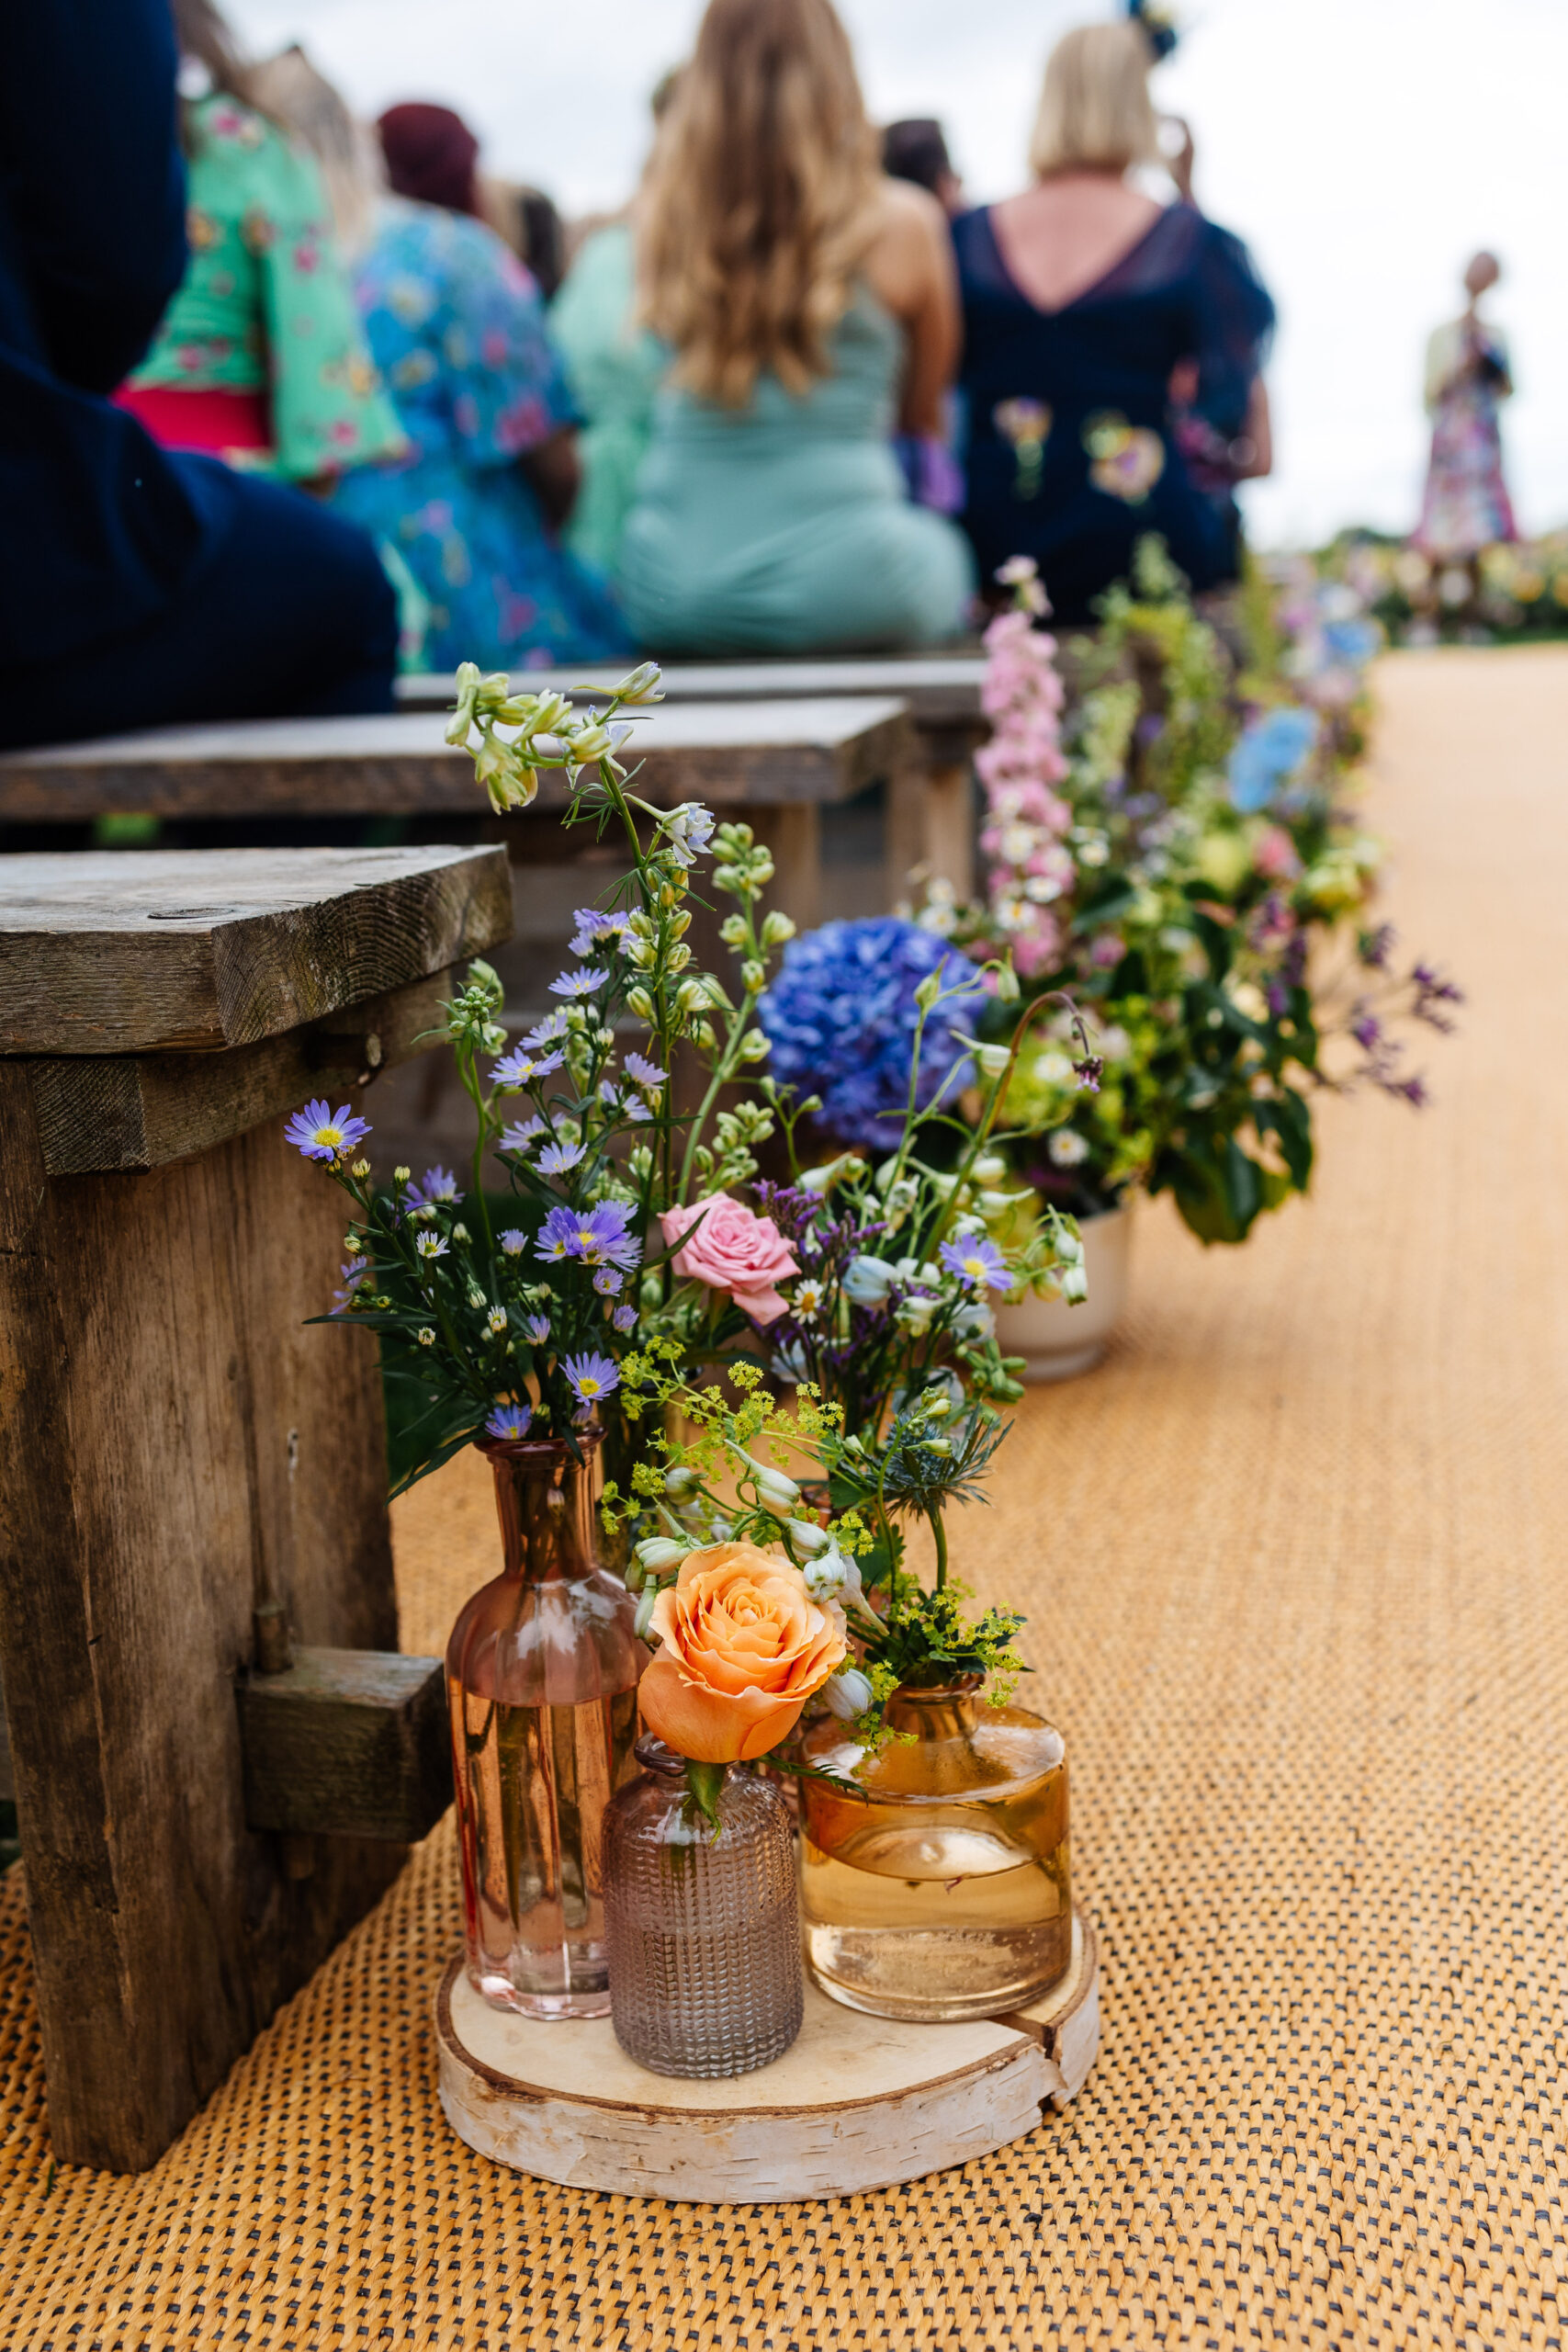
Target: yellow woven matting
1294, 1566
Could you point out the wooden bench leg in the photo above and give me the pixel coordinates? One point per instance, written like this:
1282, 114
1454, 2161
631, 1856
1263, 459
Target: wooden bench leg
930, 826
174, 1451
793, 831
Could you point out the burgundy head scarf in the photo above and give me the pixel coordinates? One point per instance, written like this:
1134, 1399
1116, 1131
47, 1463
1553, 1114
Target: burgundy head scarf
430, 155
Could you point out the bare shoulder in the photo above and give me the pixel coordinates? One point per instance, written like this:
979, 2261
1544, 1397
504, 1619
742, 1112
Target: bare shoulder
908, 251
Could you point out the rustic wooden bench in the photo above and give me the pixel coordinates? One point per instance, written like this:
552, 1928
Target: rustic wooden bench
191, 1482
931, 811
777, 764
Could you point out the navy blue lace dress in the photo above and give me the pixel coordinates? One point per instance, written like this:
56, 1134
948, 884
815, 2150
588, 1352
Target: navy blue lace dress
1071, 454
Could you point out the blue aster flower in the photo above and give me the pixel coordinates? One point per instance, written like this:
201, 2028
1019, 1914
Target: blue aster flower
1271, 751
509, 1420
535, 1329
514, 1242
593, 926
644, 1072
546, 1032
974, 1259
590, 1376
521, 1134
625, 1316
322, 1133
577, 984
560, 1158
841, 1018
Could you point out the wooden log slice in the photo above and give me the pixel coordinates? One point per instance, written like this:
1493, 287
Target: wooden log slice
858, 2102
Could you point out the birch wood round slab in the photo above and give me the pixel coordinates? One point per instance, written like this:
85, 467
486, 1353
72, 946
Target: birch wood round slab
858, 2102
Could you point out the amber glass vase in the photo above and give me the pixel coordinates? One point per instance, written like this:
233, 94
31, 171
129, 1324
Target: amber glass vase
704, 1930
542, 1671
944, 1892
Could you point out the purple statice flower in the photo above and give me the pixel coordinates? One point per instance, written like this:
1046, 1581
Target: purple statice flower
322, 1133
1367, 1030
535, 1329
644, 1072
514, 1242
1374, 947
353, 1274
1414, 1091
591, 1377
560, 1158
1432, 990
521, 1134
841, 1019
430, 1245
593, 926
609, 1282
625, 1316
520, 1068
578, 984
509, 1420
688, 830
975, 1260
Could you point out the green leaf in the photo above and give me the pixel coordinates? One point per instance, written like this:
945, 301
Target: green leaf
704, 1783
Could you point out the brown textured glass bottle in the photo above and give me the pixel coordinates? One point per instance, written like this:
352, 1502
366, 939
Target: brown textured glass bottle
704, 1930
945, 1891
542, 1671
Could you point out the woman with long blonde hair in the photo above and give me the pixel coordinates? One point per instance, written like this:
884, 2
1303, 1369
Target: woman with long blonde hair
1112, 346
809, 309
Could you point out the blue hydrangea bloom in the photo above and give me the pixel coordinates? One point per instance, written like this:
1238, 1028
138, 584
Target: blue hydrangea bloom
842, 1015
1267, 754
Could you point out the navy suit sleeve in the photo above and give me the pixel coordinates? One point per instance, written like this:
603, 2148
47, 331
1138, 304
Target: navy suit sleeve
92, 182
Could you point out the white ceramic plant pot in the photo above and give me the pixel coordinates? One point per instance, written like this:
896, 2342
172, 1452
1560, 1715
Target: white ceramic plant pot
1056, 1340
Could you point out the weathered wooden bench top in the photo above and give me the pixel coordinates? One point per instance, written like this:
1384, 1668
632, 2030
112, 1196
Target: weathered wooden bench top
160, 951
938, 688
767, 753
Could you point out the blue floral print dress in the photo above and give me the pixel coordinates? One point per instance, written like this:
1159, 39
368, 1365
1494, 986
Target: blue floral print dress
457, 329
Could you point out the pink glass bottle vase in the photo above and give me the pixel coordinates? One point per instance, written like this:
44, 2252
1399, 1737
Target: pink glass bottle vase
542, 1671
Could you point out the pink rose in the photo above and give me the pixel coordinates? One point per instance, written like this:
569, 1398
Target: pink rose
734, 1250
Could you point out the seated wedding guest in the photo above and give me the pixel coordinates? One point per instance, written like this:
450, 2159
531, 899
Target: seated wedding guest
139, 587
260, 359
808, 305
916, 151
615, 367
475, 507
1089, 310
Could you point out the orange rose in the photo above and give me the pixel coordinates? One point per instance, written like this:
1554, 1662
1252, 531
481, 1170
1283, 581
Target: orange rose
744, 1647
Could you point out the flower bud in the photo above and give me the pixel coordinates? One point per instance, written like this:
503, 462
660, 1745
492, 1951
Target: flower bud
867, 1280
780, 1494
993, 1059
643, 1621
756, 1046
805, 1535
640, 1002
989, 1169
929, 990
658, 1553
401, 1175
680, 1482
777, 928
1005, 981
848, 1693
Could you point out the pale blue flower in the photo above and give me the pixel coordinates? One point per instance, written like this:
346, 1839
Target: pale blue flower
319, 1133
514, 1242
560, 1158
521, 1134
590, 1376
578, 984
510, 1421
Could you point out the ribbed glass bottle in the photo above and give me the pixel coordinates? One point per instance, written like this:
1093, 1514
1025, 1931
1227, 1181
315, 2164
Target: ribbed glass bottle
706, 1976
542, 1671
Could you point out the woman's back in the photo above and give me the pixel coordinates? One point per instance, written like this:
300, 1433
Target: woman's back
1070, 455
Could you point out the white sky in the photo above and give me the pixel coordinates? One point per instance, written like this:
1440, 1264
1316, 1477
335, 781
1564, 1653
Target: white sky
1364, 148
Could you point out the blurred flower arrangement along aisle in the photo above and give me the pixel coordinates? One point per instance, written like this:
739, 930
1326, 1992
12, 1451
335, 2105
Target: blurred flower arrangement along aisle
759, 1304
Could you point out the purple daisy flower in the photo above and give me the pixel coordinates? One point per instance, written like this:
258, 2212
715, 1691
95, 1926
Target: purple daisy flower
646, 1074
546, 1032
535, 1329
598, 1237
353, 1274
625, 1316
521, 1134
974, 1259
578, 984
608, 1283
439, 1185
520, 1068
593, 927
514, 1242
323, 1134
591, 1377
560, 1158
509, 1420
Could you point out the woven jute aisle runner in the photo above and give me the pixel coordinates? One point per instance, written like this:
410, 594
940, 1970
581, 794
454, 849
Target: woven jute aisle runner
1293, 1561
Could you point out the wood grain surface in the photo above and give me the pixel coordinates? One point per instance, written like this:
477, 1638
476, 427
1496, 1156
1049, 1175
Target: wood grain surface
347, 1743
174, 1449
936, 687
731, 755
157, 951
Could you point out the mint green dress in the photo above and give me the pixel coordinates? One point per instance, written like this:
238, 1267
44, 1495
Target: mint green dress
615, 368
785, 527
